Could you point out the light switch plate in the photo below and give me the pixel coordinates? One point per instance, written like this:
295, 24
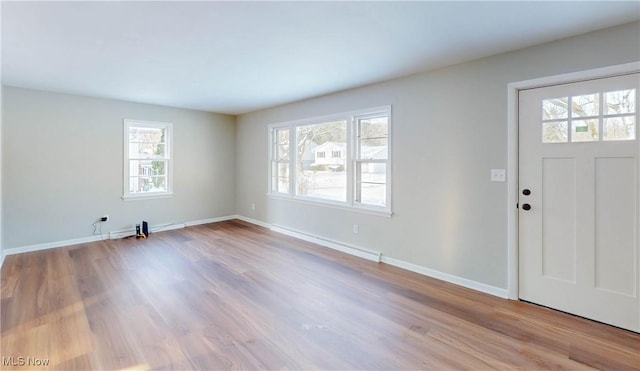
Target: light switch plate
498, 175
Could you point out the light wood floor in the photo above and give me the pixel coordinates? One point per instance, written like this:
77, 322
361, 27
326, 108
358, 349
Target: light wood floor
235, 296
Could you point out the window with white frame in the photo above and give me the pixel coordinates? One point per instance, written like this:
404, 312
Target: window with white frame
280, 161
371, 159
147, 159
342, 160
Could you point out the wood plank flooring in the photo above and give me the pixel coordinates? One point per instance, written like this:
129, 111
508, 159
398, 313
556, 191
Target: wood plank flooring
232, 295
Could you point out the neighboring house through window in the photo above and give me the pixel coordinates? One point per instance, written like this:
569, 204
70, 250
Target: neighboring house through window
147, 159
341, 159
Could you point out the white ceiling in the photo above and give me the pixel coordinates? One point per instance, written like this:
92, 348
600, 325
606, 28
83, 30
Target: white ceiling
236, 57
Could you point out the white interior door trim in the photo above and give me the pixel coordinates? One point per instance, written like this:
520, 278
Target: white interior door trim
512, 151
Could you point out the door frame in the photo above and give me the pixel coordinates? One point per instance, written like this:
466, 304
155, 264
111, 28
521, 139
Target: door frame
512, 152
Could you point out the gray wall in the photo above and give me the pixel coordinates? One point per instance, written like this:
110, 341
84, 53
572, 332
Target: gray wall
449, 130
62, 166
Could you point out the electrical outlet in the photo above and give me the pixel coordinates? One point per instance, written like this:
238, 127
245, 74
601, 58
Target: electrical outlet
356, 229
253, 207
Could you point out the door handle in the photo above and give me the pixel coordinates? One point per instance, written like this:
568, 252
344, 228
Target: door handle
526, 207
526, 192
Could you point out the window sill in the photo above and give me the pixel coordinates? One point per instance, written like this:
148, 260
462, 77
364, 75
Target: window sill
333, 205
146, 196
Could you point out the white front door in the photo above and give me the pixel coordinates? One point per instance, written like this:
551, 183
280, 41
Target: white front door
579, 199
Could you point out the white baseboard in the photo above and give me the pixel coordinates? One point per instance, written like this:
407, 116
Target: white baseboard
253, 221
114, 235
52, 245
343, 247
379, 257
340, 246
464, 282
168, 227
211, 220
111, 235
1, 258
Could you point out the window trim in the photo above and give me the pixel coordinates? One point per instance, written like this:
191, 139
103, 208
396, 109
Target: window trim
351, 204
168, 126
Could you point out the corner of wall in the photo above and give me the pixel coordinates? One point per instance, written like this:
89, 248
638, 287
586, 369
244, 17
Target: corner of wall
235, 164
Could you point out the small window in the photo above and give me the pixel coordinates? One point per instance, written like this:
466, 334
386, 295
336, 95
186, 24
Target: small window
554, 120
600, 116
620, 115
147, 159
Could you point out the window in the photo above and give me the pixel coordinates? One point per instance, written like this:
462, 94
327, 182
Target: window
372, 157
147, 159
342, 160
326, 177
280, 163
600, 116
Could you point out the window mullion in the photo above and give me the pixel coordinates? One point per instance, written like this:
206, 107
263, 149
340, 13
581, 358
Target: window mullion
600, 116
569, 119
